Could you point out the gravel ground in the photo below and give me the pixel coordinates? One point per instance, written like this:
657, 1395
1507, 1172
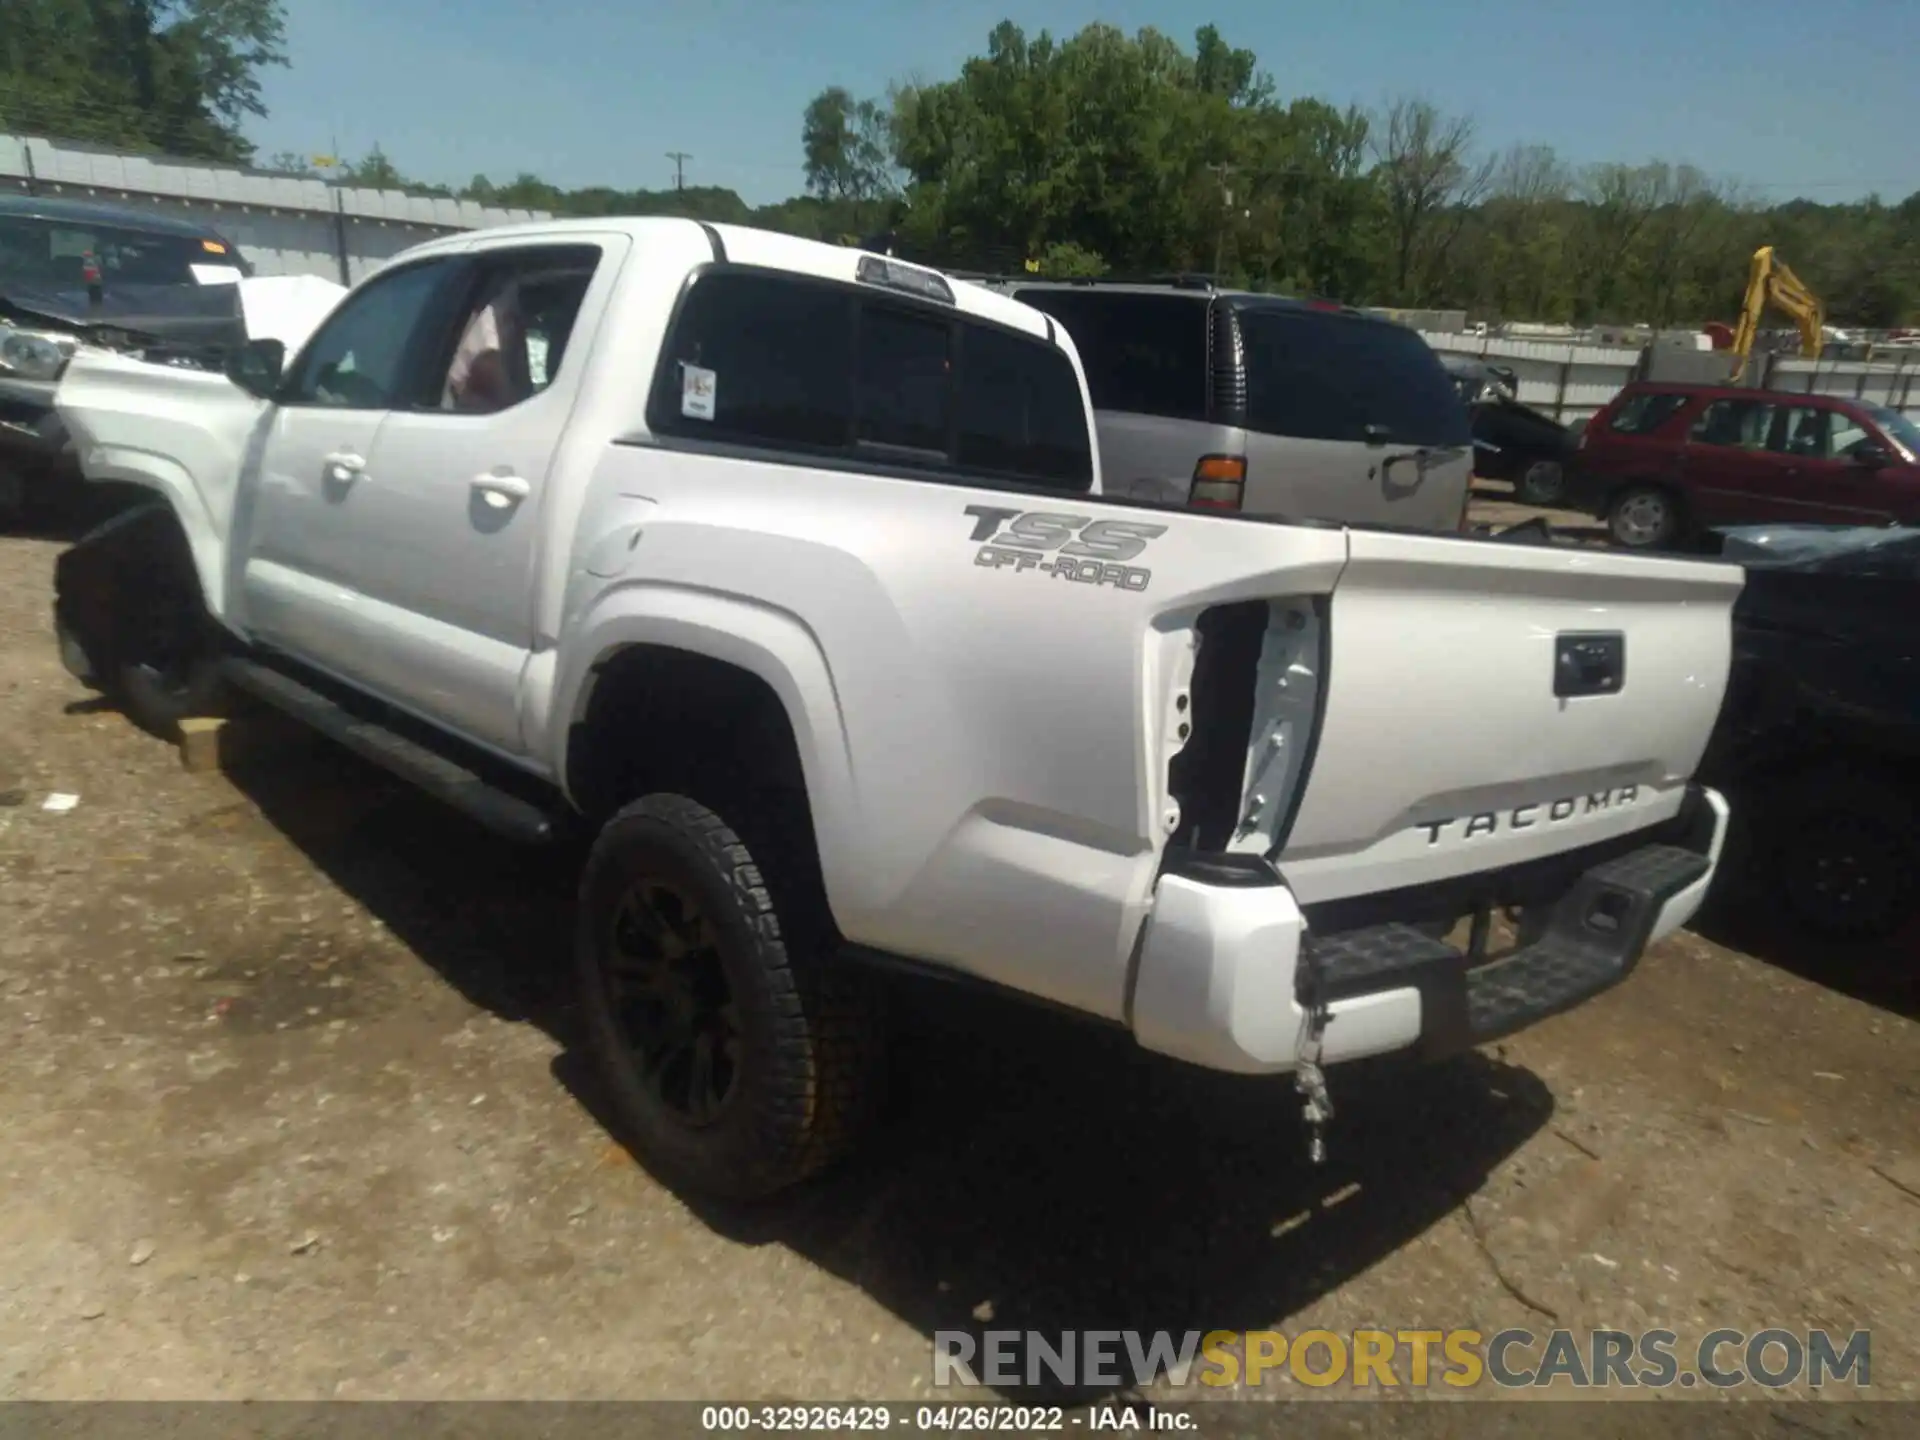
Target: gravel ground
289, 1110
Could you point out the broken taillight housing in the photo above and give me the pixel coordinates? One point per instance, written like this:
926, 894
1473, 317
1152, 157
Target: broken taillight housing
1246, 718
1219, 482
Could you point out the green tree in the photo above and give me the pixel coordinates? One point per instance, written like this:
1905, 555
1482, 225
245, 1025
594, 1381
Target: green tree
1430, 183
848, 147
1129, 147
174, 75
374, 171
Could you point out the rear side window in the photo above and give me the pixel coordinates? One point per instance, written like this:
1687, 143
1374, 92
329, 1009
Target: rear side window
774, 360
760, 358
1021, 411
1317, 376
1646, 412
1144, 354
1734, 424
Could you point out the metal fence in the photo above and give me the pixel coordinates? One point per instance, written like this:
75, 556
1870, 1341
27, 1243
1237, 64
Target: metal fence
1572, 382
284, 224
1568, 382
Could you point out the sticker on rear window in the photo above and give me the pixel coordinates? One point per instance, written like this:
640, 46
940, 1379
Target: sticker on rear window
697, 387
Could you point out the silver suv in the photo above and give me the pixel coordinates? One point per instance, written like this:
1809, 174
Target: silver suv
1225, 399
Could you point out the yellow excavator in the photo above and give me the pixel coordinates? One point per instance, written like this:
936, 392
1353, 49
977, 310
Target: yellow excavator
1771, 282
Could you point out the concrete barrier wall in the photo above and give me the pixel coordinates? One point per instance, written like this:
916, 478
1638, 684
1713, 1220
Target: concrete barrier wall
1571, 382
1890, 384
284, 224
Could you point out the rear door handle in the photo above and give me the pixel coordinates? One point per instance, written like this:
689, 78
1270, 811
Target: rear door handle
502, 490
342, 467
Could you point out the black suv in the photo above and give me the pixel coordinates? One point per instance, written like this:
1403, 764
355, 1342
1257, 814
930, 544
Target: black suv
117, 277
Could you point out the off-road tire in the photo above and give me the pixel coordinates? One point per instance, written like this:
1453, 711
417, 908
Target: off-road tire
163, 660
811, 1049
1843, 854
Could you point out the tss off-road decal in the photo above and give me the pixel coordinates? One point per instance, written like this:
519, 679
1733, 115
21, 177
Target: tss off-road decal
1083, 550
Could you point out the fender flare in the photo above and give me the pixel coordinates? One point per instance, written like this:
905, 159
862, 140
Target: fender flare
173, 489
85, 581
768, 642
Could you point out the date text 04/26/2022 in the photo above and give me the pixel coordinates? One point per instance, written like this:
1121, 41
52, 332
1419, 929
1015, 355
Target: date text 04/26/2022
958, 1418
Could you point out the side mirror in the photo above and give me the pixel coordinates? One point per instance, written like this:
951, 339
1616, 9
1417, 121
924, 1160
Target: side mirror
255, 367
1870, 453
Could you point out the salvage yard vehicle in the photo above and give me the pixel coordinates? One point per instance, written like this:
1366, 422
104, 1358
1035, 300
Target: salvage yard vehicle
1516, 443
1264, 404
1663, 464
1818, 744
784, 574
123, 279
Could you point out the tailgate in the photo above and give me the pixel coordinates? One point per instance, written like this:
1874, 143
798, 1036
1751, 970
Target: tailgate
1444, 747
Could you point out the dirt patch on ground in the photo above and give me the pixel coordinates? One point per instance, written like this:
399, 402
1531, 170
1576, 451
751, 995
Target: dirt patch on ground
289, 1109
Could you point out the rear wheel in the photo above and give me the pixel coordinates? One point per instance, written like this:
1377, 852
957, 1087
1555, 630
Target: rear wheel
741, 1056
1845, 856
1542, 483
1644, 517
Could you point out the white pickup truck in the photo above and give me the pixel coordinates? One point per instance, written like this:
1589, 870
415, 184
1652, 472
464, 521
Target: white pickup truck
783, 572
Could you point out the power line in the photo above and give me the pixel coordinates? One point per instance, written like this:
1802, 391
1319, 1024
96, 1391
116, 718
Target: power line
679, 159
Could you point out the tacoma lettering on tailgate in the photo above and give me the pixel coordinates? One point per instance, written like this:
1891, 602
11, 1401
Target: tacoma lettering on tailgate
1084, 550
1525, 817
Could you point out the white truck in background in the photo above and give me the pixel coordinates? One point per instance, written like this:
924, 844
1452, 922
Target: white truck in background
783, 572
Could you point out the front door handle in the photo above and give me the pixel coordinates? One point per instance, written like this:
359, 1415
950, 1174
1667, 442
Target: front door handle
342, 467
502, 490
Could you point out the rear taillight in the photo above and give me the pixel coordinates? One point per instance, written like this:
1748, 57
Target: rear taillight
1219, 481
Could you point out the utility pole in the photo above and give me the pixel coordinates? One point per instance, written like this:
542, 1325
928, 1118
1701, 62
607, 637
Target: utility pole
1221, 172
679, 159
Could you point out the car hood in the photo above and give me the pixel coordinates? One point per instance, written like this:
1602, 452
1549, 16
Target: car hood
1506, 422
1789, 547
198, 323
181, 319
150, 309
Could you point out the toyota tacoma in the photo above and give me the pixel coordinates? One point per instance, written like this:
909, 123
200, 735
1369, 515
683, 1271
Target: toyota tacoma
783, 574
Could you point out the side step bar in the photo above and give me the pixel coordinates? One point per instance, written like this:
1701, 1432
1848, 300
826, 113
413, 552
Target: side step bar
446, 780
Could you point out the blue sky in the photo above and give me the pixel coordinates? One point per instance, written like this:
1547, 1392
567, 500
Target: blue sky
1787, 96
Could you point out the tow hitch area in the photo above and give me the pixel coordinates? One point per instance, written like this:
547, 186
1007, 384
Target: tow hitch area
1308, 1078
1568, 949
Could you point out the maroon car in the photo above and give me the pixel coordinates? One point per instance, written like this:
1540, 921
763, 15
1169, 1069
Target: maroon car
1663, 461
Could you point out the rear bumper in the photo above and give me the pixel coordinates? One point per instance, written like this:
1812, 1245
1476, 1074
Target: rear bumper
1229, 960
